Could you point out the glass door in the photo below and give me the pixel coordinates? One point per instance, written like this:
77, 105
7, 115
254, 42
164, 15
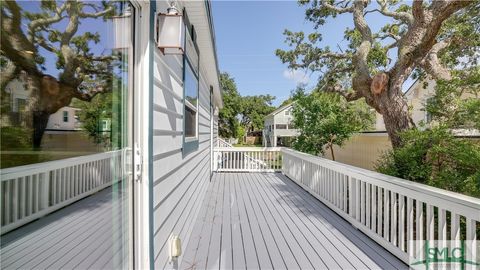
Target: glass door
66, 134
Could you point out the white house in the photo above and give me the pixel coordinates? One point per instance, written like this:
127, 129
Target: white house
278, 127
65, 119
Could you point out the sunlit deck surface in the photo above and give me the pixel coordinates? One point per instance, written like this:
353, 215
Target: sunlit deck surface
264, 220
84, 235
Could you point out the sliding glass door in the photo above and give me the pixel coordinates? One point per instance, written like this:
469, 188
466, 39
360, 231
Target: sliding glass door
66, 134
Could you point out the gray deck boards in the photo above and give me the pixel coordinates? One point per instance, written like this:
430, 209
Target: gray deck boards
88, 234
264, 220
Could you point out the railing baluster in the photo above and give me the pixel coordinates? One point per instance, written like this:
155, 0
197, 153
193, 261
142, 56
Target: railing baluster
410, 228
472, 242
386, 216
419, 226
430, 223
394, 221
368, 218
401, 222
442, 228
380, 211
362, 202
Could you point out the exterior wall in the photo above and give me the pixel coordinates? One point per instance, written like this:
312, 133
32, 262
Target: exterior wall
180, 179
362, 150
278, 117
416, 99
56, 120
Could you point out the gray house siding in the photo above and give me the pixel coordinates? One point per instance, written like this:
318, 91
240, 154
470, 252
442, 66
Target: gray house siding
179, 179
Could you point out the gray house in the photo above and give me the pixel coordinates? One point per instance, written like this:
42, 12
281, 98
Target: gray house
164, 194
278, 127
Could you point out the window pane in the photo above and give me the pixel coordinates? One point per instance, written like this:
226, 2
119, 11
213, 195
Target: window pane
65, 105
190, 122
191, 86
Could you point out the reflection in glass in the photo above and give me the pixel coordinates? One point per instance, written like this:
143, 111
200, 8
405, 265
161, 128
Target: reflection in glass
65, 130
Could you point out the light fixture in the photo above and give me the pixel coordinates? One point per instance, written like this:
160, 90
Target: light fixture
171, 31
122, 29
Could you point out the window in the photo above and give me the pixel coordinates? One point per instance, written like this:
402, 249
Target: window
65, 116
21, 104
287, 112
281, 126
191, 100
191, 89
291, 126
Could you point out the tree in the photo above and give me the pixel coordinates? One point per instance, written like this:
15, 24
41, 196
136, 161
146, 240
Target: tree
456, 103
254, 110
429, 37
26, 36
326, 119
228, 116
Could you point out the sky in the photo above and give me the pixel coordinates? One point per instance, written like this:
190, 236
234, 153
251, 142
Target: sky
248, 33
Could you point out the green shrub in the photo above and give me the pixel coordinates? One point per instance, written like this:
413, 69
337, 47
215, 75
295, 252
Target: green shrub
436, 158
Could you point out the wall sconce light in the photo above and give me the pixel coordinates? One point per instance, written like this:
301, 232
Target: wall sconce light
171, 31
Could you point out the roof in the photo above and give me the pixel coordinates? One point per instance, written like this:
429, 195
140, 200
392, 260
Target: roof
200, 15
281, 109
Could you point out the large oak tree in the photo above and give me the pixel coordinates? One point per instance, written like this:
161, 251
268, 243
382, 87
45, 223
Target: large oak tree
54, 29
419, 39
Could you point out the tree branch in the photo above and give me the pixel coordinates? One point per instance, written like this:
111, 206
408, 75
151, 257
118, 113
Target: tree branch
361, 79
432, 64
336, 9
402, 16
38, 23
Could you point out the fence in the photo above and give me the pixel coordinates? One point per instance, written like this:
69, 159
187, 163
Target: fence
31, 191
247, 159
389, 210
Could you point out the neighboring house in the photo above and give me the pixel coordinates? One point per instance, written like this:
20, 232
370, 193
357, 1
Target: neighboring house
418, 96
278, 127
65, 119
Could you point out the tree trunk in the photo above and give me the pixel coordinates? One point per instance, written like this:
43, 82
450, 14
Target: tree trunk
396, 117
331, 151
40, 121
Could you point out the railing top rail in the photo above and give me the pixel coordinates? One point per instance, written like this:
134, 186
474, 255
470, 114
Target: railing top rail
401, 184
248, 149
19, 171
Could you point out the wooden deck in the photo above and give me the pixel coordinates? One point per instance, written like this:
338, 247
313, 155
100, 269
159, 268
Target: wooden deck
264, 220
87, 234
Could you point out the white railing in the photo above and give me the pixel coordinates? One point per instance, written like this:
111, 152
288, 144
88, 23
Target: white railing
222, 143
247, 159
389, 210
31, 191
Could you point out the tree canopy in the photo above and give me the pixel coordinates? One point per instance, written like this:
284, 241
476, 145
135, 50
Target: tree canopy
426, 37
228, 117
325, 120
241, 114
254, 110
28, 38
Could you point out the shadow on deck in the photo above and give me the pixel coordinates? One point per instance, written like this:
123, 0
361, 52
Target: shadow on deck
90, 233
264, 220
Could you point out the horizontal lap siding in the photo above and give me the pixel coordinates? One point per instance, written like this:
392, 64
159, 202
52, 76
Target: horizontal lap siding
179, 181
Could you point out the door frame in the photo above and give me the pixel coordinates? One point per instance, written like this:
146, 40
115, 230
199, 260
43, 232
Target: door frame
140, 230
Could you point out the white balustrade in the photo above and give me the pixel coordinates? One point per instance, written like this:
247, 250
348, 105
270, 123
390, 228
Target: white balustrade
247, 159
389, 210
31, 191
222, 143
